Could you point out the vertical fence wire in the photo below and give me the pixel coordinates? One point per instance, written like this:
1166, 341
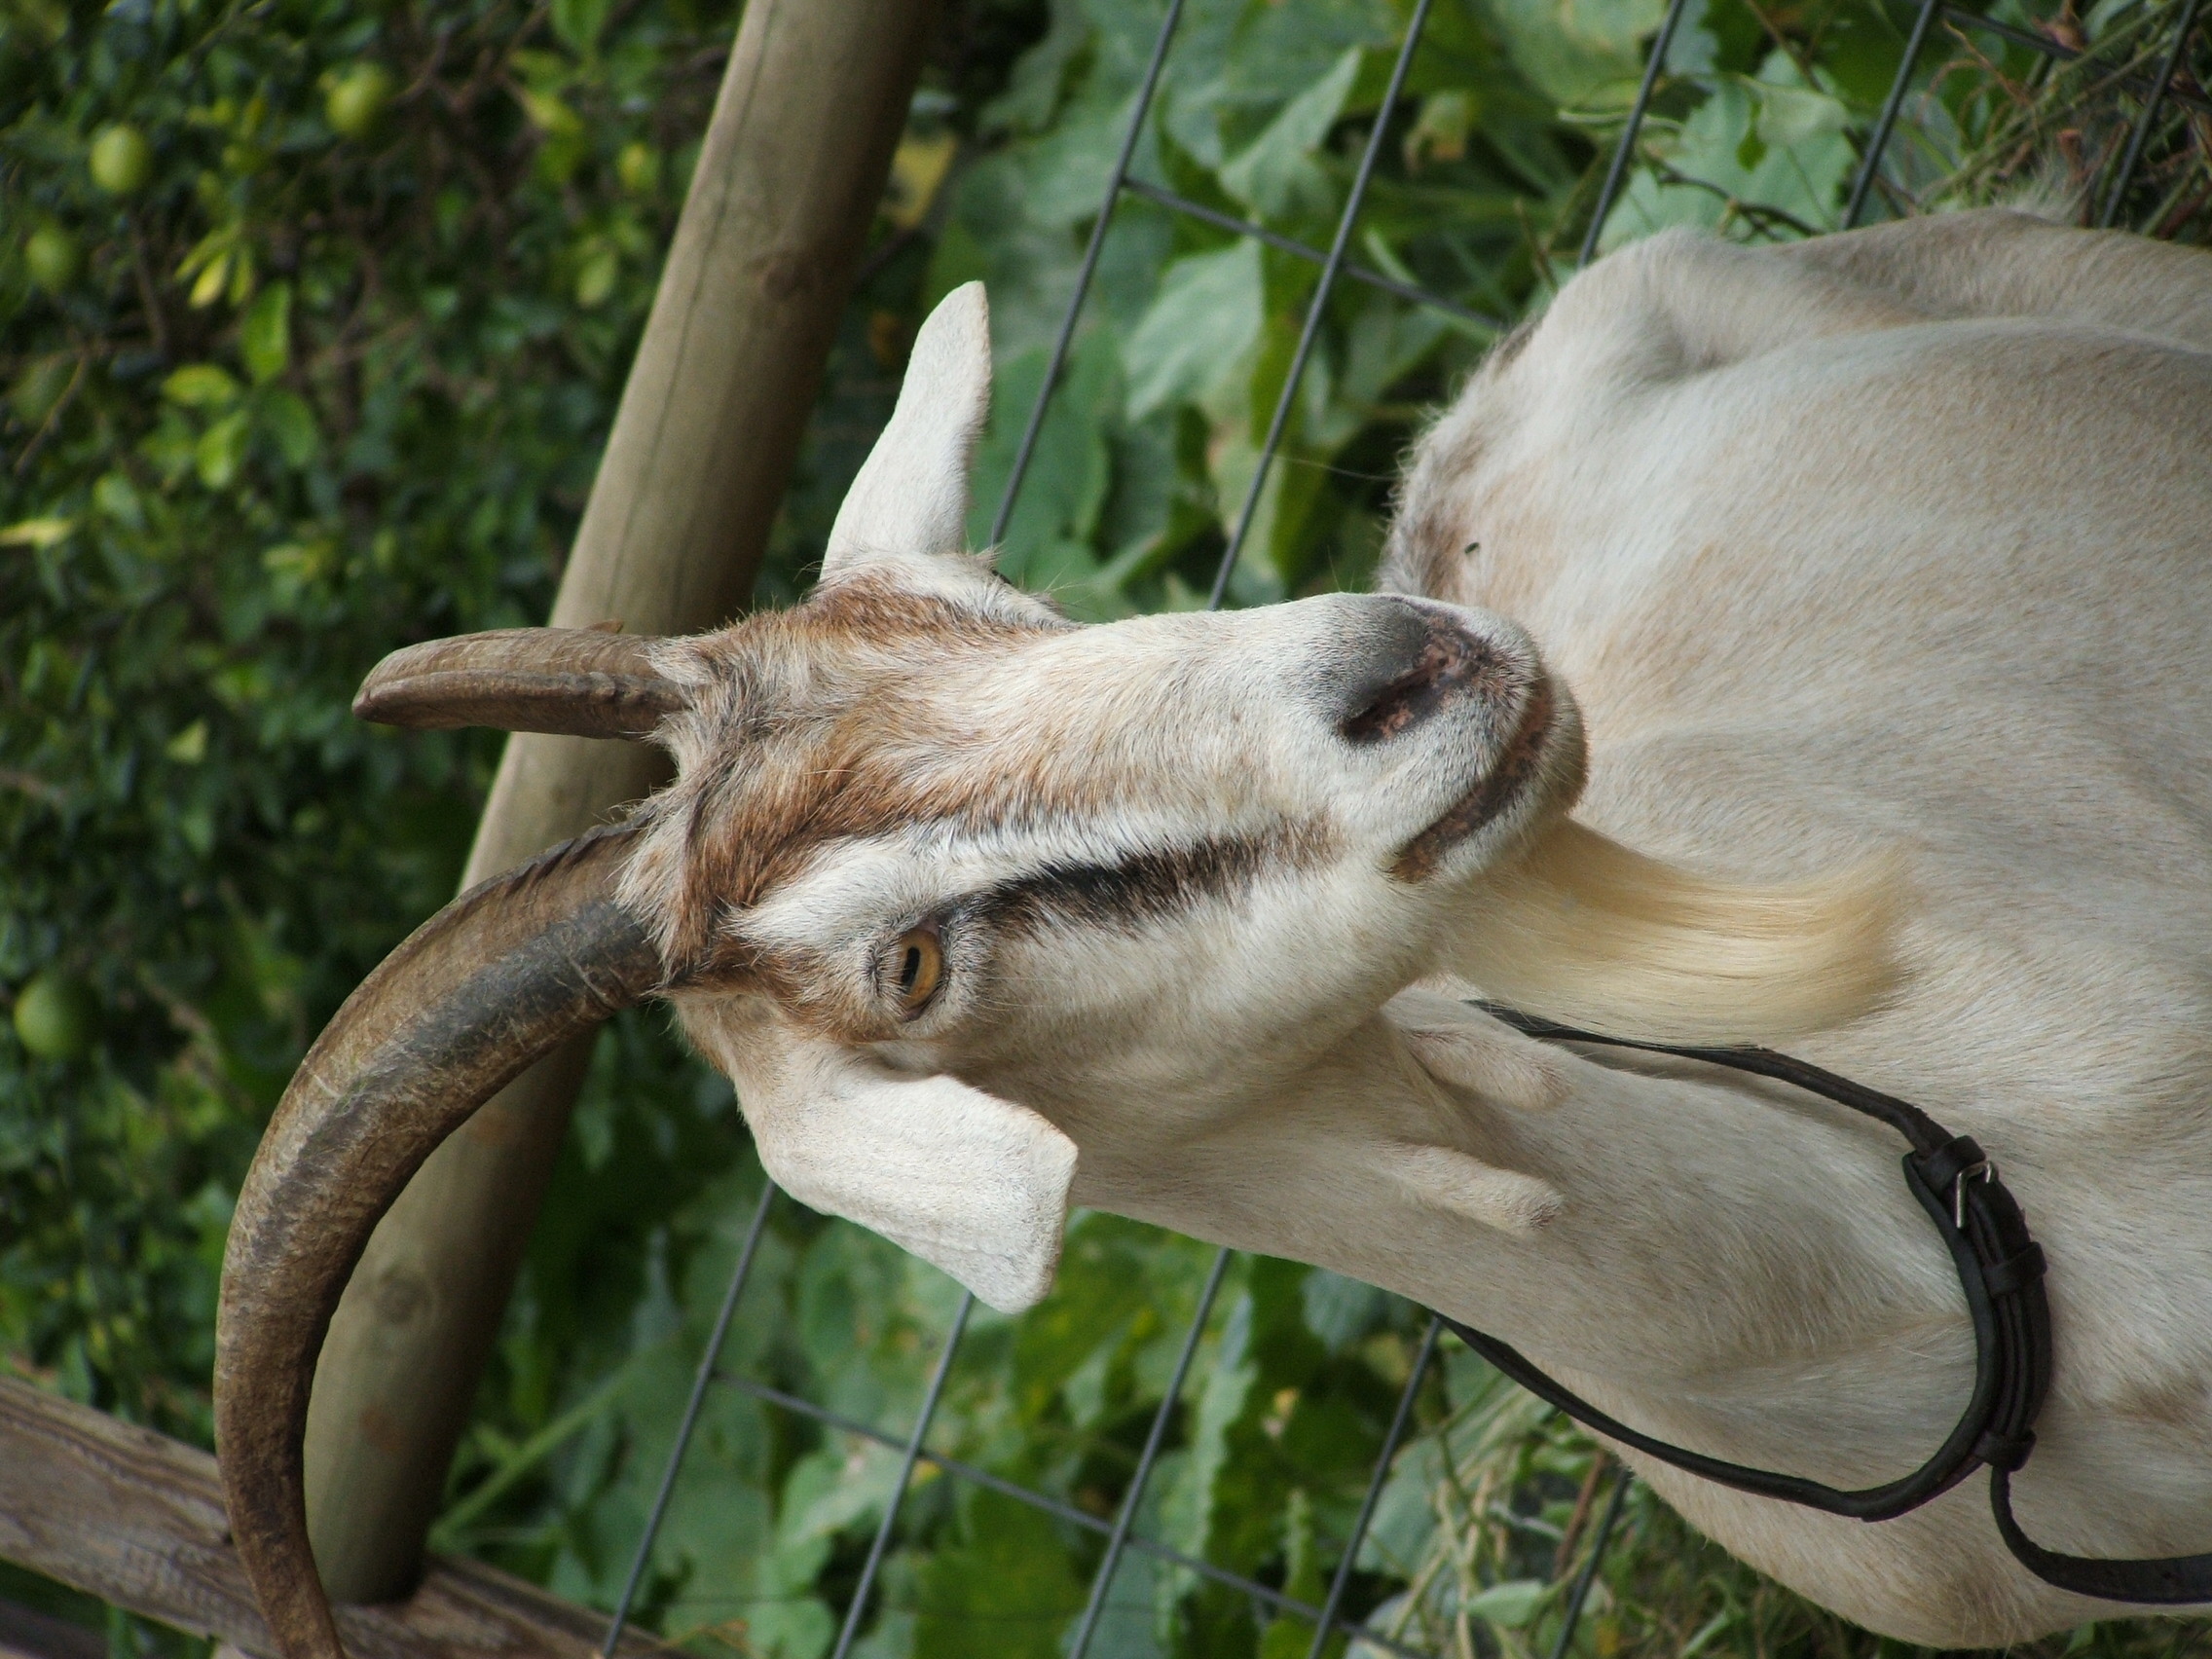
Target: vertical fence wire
1580, 1595
1320, 303
690, 1420
1333, 1607
1625, 149
1870, 164
2143, 123
1088, 269
1117, 1540
857, 1608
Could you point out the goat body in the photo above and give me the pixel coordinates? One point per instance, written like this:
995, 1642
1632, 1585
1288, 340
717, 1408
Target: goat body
1889, 541
1855, 586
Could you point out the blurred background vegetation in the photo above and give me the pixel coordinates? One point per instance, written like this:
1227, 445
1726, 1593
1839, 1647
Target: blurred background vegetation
313, 316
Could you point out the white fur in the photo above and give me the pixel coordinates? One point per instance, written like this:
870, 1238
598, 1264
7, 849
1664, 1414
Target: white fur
910, 499
974, 1185
1462, 1186
1463, 1048
1888, 546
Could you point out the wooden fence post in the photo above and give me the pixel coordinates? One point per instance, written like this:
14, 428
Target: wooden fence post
794, 162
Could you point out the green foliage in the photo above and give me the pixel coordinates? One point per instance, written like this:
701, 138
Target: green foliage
1753, 132
1191, 330
304, 388
311, 318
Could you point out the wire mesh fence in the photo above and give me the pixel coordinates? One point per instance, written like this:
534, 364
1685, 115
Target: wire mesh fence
2137, 113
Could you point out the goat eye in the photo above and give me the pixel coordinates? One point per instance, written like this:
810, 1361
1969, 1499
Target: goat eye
918, 969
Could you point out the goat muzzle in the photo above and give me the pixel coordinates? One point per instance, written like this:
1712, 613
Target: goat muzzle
505, 973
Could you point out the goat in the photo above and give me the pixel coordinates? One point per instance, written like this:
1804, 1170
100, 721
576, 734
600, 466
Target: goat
1858, 697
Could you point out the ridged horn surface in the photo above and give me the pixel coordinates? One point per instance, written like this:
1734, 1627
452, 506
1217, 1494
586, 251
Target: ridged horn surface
578, 681
501, 976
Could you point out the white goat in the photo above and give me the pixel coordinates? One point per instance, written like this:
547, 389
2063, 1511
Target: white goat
1866, 575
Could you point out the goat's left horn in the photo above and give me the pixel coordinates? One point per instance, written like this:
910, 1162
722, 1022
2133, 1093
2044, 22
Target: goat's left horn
510, 969
578, 681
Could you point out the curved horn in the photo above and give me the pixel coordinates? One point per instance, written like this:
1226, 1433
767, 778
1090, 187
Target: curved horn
501, 974
578, 681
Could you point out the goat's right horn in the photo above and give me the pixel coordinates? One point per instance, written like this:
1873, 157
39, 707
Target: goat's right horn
501, 976
578, 681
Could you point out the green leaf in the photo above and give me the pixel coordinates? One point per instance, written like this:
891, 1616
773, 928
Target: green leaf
1791, 115
1276, 176
1189, 1503
1731, 176
40, 386
1066, 169
578, 24
118, 498
296, 565
548, 113
1579, 51
1070, 469
1009, 1576
36, 531
201, 385
287, 418
220, 449
1199, 331
1340, 1311
189, 747
265, 333
1441, 132
1511, 1604
1032, 94
1716, 1625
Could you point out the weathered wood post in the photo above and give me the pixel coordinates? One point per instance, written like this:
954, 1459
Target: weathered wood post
794, 162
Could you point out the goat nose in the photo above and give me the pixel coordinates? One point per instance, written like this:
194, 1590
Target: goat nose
1407, 664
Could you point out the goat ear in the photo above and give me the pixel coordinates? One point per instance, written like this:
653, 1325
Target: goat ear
910, 499
971, 1184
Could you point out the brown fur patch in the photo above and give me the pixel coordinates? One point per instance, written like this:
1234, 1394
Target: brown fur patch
822, 724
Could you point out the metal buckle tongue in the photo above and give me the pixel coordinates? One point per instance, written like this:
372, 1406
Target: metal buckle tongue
1983, 1170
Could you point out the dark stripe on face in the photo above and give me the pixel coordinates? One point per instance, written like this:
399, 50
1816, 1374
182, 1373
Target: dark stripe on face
1145, 887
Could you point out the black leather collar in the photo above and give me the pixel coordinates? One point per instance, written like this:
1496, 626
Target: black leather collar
2000, 1268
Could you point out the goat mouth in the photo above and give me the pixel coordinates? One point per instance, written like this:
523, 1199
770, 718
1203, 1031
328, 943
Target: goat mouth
1518, 765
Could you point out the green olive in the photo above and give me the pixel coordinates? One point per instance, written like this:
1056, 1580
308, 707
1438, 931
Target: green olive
638, 165
121, 160
356, 97
50, 253
56, 1016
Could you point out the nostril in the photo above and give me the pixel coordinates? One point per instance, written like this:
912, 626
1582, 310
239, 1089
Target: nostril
1401, 685
1401, 705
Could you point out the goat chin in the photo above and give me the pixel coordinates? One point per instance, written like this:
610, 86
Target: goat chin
1592, 934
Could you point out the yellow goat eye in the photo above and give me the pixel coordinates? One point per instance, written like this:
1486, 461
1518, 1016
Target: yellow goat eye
918, 969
